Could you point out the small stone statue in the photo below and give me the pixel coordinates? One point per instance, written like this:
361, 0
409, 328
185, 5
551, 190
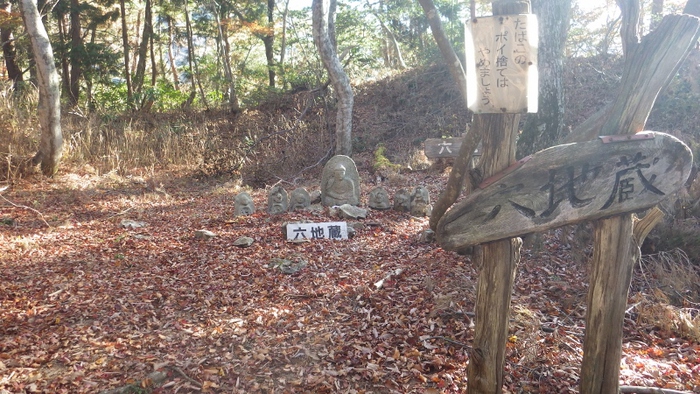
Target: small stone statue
379, 199
420, 202
340, 182
299, 199
277, 200
243, 204
402, 201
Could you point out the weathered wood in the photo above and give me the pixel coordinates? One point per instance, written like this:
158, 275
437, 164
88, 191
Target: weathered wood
567, 184
497, 266
614, 257
648, 66
442, 147
498, 259
448, 147
497, 262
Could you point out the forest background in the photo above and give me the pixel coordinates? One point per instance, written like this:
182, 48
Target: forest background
171, 107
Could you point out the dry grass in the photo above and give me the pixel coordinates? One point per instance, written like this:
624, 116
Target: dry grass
669, 295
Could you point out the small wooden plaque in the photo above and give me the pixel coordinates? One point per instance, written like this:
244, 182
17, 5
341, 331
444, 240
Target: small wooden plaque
567, 184
308, 231
442, 147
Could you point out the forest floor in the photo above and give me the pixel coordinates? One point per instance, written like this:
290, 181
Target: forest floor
87, 305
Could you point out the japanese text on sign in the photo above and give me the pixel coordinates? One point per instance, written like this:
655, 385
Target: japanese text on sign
633, 177
309, 231
502, 64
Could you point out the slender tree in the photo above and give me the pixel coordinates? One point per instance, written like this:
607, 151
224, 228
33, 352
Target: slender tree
9, 52
51, 142
545, 127
125, 43
340, 81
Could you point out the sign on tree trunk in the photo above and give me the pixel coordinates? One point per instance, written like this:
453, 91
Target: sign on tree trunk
567, 184
501, 54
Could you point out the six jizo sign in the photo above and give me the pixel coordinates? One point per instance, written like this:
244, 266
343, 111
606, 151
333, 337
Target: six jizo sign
568, 184
501, 54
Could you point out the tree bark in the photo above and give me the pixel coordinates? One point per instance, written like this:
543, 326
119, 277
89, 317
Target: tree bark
647, 71
544, 128
339, 80
125, 43
269, 41
77, 53
140, 74
171, 57
283, 41
9, 52
49, 110
692, 7
228, 70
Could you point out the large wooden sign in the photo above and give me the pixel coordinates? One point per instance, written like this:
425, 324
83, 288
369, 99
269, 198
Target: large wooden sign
501, 58
567, 184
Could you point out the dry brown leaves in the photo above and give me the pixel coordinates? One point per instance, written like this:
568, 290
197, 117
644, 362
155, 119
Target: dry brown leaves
88, 306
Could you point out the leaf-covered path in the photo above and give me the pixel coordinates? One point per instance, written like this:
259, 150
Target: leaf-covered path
89, 306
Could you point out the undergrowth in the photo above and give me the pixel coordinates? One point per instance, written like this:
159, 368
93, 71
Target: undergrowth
668, 293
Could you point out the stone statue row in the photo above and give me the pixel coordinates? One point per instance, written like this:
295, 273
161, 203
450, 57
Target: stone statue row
340, 184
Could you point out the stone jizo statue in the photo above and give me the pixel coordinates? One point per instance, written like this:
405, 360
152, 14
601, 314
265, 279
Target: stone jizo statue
299, 199
277, 200
379, 199
420, 202
340, 182
243, 204
402, 201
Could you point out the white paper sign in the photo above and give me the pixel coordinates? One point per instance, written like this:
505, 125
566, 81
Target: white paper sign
501, 55
328, 230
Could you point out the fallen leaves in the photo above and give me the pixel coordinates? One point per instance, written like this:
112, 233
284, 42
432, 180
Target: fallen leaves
99, 306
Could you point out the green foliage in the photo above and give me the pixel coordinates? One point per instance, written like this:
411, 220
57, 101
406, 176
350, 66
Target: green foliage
381, 162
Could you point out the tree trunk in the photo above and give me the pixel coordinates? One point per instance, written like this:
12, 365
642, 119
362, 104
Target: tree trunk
648, 67
448, 53
9, 53
692, 7
125, 43
192, 60
140, 74
49, 110
340, 80
544, 128
283, 41
76, 54
228, 70
171, 57
269, 41
65, 56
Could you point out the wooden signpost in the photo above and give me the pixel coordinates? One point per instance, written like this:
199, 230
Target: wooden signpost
567, 184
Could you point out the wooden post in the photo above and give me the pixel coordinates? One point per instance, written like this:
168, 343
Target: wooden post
648, 66
497, 260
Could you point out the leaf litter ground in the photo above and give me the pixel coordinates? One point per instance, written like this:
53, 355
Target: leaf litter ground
89, 306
